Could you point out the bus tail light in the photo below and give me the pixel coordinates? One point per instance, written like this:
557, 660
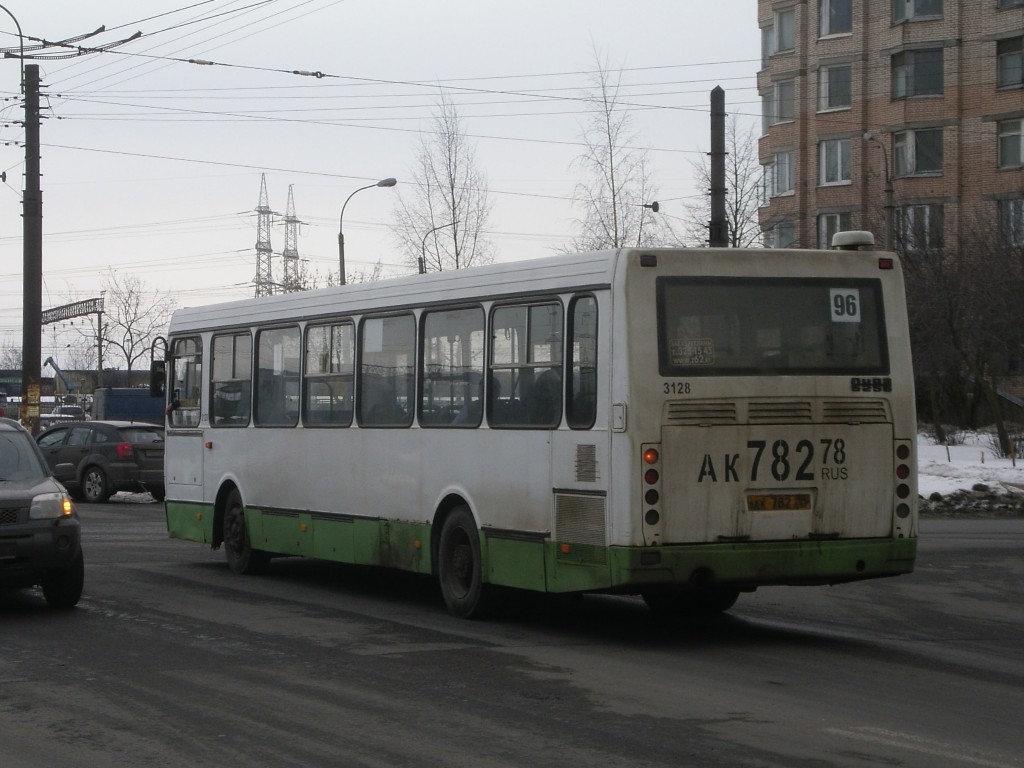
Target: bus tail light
651, 458
904, 475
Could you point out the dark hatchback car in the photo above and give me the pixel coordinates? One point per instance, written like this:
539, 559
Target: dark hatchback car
96, 459
40, 538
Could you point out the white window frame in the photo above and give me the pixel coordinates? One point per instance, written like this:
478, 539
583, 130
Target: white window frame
829, 224
919, 219
910, 10
1010, 64
906, 78
1011, 221
783, 177
905, 152
825, 17
834, 162
785, 25
1010, 134
828, 78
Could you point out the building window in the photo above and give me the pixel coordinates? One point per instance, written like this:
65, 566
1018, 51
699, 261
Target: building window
917, 73
1010, 3
783, 174
767, 45
834, 161
834, 87
919, 227
918, 153
782, 235
1011, 143
779, 105
1010, 62
910, 10
829, 224
1011, 221
835, 17
785, 30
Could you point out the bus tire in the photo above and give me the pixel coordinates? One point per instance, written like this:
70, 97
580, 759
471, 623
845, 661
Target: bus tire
242, 557
460, 567
693, 603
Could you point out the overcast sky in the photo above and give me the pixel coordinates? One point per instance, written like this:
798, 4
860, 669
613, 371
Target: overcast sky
151, 166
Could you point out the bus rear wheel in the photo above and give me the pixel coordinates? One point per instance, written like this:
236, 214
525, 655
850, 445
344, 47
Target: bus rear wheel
696, 603
460, 568
242, 558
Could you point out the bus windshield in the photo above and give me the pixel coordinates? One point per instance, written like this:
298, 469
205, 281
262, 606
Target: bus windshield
756, 326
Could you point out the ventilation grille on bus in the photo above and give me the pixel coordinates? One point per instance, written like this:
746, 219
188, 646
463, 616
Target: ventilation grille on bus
580, 523
586, 464
696, 414
860, 411
772, 412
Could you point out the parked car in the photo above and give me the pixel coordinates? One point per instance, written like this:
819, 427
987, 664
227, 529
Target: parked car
40, 538
96, 459
61, 414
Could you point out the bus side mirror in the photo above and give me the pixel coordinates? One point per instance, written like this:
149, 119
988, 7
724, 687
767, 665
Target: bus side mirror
157, 378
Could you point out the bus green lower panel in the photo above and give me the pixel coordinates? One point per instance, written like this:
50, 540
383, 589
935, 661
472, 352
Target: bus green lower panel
763, 563
189, 521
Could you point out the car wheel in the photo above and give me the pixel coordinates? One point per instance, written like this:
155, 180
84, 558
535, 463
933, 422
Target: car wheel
95, 489
242, 558
62, 587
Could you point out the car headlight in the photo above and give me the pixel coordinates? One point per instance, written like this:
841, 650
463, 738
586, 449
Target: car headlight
50, 506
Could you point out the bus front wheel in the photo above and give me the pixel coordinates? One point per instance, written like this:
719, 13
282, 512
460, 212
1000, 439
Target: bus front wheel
242, 558
460, 567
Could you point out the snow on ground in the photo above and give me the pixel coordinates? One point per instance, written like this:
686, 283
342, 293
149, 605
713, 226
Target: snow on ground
944, 470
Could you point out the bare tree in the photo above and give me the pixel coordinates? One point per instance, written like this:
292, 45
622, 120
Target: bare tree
133, 318
966, 319
444, 220
617, 198
743, 177
10, 356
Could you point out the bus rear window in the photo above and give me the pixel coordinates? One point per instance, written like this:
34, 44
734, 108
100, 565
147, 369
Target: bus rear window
756, 326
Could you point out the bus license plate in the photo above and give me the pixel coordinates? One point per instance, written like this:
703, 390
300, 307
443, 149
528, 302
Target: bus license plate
766, 502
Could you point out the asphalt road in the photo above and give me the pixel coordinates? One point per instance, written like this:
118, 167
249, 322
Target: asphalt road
170, 660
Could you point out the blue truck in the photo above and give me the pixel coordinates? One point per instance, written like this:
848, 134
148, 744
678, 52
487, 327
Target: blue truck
127, 404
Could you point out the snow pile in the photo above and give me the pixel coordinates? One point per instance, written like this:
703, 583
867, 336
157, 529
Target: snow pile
968, 478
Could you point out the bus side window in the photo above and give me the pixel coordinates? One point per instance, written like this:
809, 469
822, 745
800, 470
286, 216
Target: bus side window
277, 377
330, 352
386, 388
581, 407
526, 362
187, 375
231, 380
452, 370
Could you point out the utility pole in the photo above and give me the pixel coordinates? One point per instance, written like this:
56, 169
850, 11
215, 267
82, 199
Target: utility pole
32, 215
264, 277
718, 227
292, 279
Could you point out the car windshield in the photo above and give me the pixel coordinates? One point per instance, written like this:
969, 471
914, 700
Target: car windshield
18, 459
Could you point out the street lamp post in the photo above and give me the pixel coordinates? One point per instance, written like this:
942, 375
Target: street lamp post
640, 230
870, 137
423, 249
388, 182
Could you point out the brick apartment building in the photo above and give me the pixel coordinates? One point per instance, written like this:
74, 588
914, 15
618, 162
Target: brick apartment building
902, 117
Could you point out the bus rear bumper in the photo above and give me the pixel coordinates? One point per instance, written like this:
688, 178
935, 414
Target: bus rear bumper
754, 564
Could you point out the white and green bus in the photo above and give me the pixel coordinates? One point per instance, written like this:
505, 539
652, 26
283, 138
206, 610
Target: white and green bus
684, 425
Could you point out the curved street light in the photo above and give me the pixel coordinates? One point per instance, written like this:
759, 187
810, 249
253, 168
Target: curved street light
423, 249
654, 209
388, 182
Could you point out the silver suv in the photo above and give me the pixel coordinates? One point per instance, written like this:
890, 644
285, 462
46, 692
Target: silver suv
40, 538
